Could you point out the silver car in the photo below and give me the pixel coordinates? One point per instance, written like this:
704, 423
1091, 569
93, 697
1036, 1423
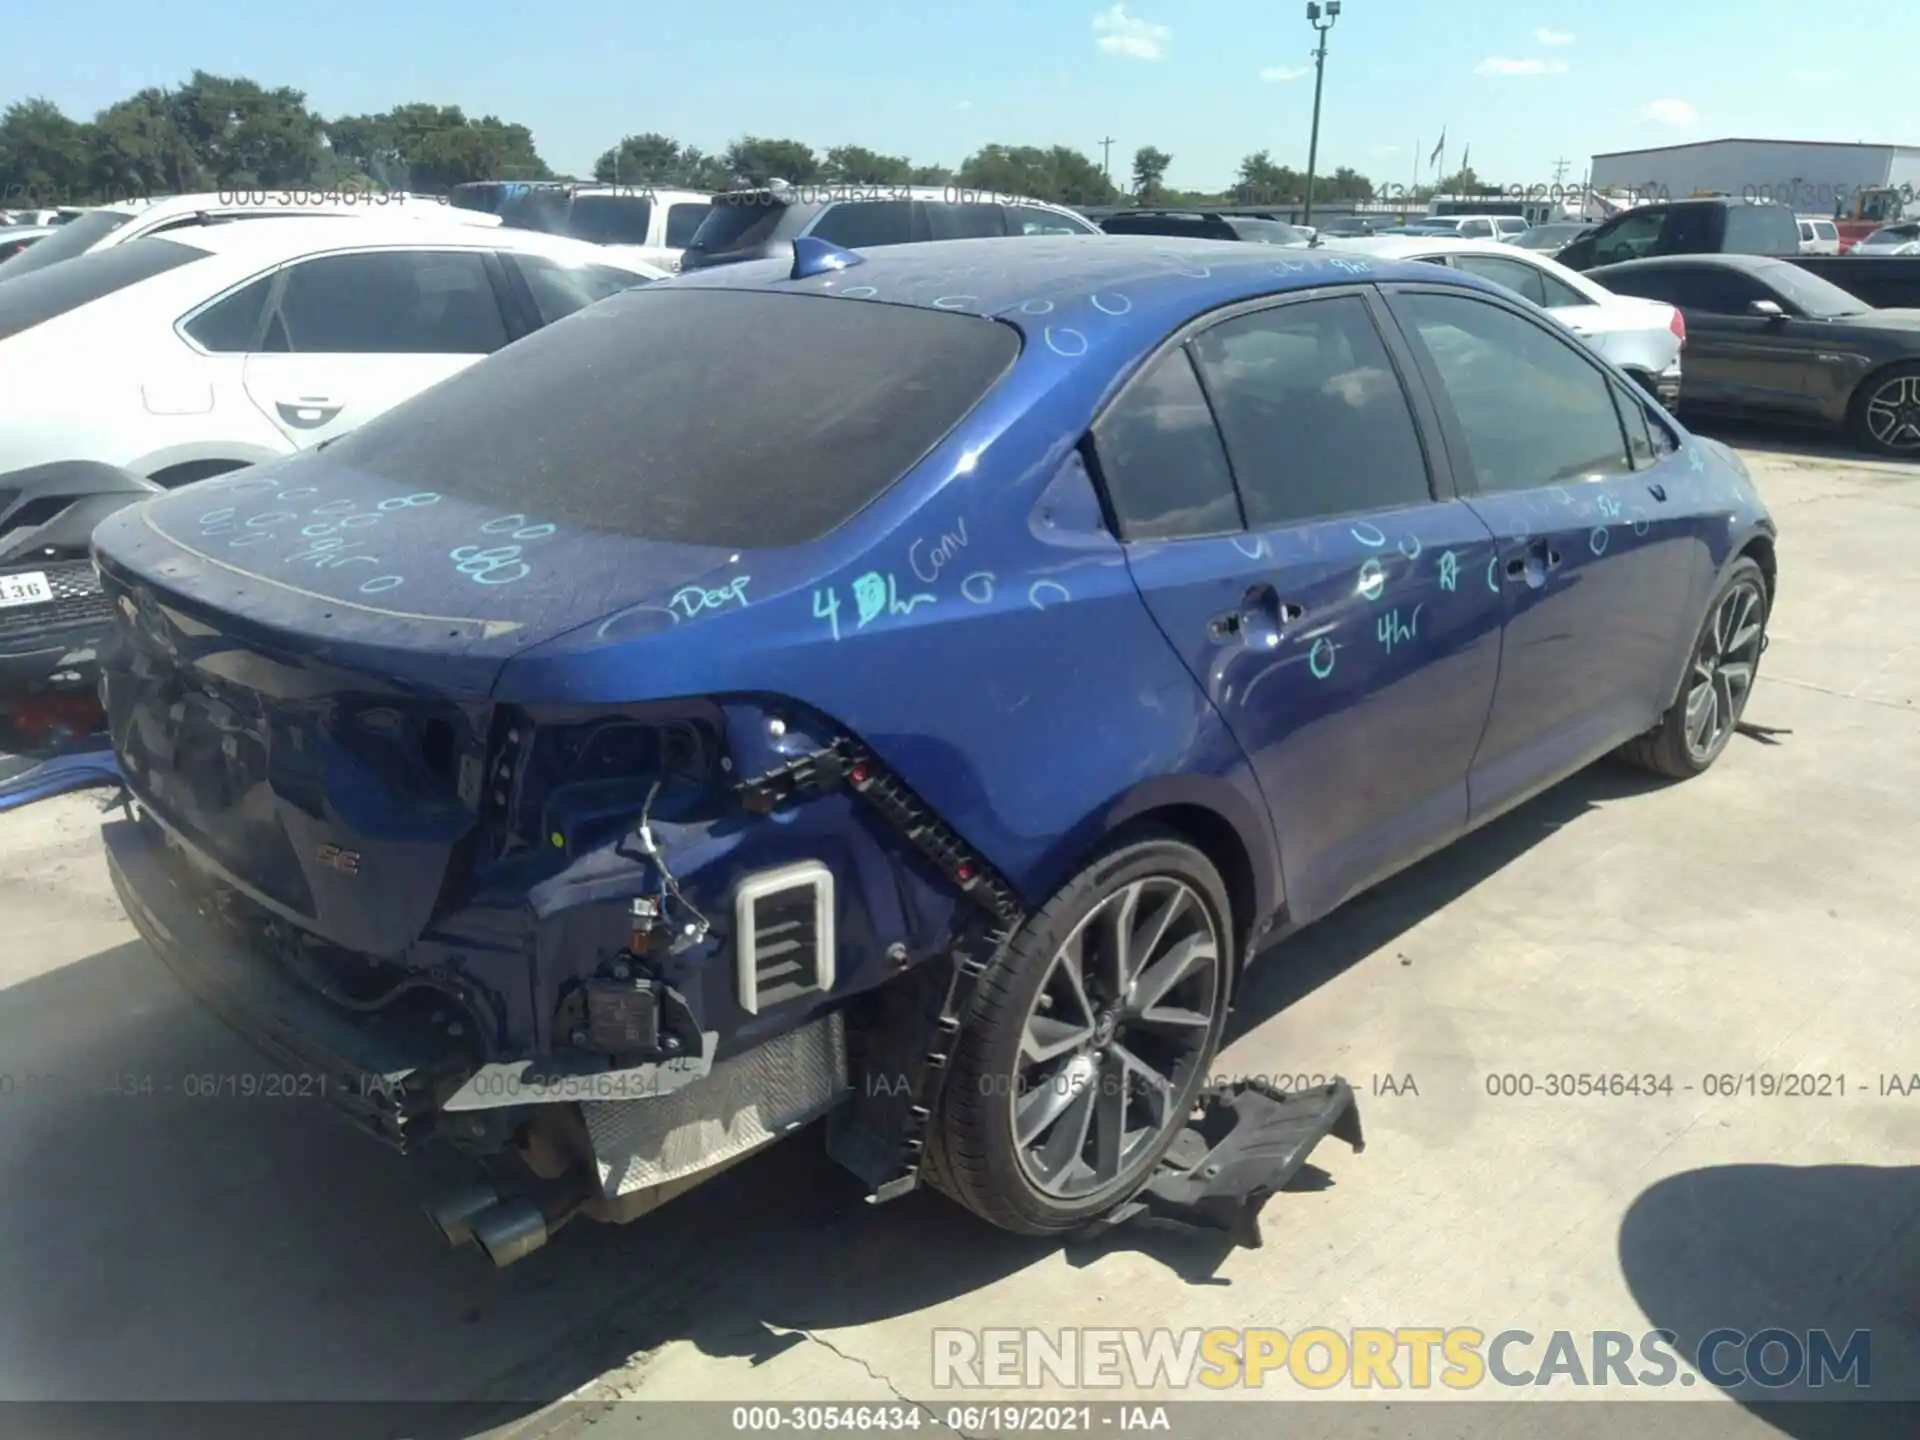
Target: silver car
1901, 239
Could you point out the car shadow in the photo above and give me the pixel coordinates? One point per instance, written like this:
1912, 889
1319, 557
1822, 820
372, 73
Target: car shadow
1787, 441
172, 1232
1816, 1248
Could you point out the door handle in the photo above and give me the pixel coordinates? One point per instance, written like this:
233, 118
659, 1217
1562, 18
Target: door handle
1658, 491
1539, 555
1226, 626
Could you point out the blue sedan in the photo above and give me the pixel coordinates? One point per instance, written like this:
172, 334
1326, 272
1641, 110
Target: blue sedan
902, 687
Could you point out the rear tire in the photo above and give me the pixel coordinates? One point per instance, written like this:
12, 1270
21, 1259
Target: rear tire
1721, 670
1884, 417
1089, 1040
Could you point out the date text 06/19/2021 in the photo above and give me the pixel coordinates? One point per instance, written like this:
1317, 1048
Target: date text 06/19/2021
988, 1419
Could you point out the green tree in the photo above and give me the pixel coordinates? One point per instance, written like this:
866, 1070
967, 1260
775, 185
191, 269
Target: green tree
138, 146
1061, 174
701, 171
755, 160
424, 146
1464, 182
930, 175
1149, 175
857, 165
1261, 182
43, 155
244, 134
650, 159
1345, 183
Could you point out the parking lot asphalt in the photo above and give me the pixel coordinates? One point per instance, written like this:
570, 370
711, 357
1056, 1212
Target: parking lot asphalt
159, 1243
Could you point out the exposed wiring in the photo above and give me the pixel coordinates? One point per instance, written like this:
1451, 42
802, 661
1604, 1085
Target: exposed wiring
669, 886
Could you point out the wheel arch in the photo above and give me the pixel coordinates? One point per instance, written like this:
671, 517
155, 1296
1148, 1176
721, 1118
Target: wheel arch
1866, 383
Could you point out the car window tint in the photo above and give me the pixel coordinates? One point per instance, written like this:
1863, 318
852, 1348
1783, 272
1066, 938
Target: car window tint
1761, 230
1559, 294
856, 224
1160, 455
1634, 236
634, 449
1476, 229
683, 222
738, 221
1720, 292
963, 222
227, 326
1516, 275
610, 219
1533, 409
559, 290
1633, 419
1032, 220
424, 302
1315, 420
1189, 226
1689, 230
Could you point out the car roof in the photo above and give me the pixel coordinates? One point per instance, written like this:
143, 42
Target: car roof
269, 240
834, 192
1400, 246
1075, 293
1752, 264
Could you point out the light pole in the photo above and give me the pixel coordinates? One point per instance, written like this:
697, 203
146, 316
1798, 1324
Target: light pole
1315, 13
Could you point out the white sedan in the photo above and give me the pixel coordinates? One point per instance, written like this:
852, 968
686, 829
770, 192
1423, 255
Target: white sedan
135, 219
1643, 337
180, 356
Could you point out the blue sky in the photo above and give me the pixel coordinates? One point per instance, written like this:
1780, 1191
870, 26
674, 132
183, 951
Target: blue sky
1524, 84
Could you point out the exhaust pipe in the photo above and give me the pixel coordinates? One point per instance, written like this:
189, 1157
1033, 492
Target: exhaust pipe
510, 1230
453, 1215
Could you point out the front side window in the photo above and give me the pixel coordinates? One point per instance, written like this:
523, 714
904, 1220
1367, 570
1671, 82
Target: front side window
389, 302
1633, 237
1315, 420
1161, 459
858, 224
1516, 275
1533, 410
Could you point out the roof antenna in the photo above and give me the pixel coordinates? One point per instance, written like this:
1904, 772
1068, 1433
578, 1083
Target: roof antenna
813, 256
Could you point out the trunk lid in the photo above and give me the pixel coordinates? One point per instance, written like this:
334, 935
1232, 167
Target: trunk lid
310, 712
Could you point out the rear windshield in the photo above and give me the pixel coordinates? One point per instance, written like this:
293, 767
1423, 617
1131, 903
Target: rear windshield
34, 299
76, 237
737, 222
829, 402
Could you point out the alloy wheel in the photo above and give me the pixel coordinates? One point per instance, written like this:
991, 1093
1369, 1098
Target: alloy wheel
1893, 413
1115, 1037
1723, 667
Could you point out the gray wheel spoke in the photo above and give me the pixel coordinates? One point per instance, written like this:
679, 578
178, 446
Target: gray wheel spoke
1048, 1039
1044, 1104
1701, 705
1123, 963
1739, 677
1164, 974
1066, 1142
1722, 706
1110, 1117
1157, 1089
1743, 638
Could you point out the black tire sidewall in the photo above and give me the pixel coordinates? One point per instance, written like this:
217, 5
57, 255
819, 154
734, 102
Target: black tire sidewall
977, 1118
1744, 569
1857, 411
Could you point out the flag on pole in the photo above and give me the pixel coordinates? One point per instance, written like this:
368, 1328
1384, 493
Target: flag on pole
1439, 149
1464, 153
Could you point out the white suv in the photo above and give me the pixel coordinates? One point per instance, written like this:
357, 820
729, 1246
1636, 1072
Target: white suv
1818, 236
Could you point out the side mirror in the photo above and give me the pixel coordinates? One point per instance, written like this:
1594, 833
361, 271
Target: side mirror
1767, 310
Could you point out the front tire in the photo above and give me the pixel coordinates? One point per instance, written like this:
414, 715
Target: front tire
1720, 673
1089, 1040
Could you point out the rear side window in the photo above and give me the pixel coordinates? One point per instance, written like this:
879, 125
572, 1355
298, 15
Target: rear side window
683, 222
559, 290
964, 222
1314, 417
610, 219
1516, 275
1032, 220
44, 295
229, 325
1161, 458
1761, 230
861, 223
829, 403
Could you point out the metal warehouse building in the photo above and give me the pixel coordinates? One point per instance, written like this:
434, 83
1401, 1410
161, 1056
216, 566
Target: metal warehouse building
1809, 175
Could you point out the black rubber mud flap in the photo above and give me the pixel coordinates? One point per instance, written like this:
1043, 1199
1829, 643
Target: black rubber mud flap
1246, 1142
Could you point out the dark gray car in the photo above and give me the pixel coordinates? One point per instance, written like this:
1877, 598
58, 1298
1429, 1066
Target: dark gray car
1765, 338
761, 224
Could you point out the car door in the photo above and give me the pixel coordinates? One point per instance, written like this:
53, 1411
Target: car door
350, 335
1738, 360
1591, 569
1298, 555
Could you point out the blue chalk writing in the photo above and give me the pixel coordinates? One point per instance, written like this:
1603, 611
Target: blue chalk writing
217, 517
409, 502
1392, 629
1039, 592
1609, 506
1352, 267
1036, 307
1410, 541
1370, 536
1066, 341
826, 606
691, 600
336, 507
1697, 461
1597, 541
1449, 571
501, 565
1111, 304
1493, 581
241, 542
1641, 524
939, 555
381, 584
299, 492
1254, 549
876, 595
1321, 657
978, 587
1373, 580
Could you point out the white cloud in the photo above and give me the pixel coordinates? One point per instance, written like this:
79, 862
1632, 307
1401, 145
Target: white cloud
1122, 34
1552, 37
1677, 113
1276, 74
1501, 65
